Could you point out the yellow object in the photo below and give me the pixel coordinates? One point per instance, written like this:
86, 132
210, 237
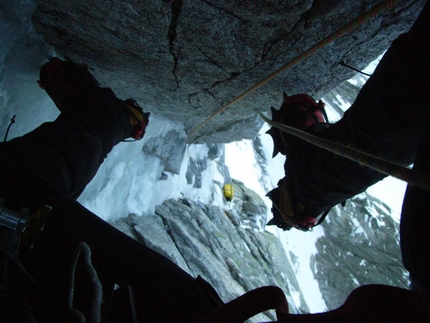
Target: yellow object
228, 192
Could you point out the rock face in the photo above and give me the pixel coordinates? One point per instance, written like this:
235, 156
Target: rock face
185, 59
360, 246
170, 148
211, 242
250, 210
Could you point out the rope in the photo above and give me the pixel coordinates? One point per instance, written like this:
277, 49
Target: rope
97, 301
413, 177
383, 5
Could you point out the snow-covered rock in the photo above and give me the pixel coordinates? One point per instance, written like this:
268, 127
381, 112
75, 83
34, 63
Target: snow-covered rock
360, 246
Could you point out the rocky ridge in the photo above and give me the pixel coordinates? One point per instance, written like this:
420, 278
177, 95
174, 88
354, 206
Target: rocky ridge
227, 247
221, 245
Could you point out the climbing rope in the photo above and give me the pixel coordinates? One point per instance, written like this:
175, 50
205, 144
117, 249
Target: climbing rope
83, 251
405, 174
383, 5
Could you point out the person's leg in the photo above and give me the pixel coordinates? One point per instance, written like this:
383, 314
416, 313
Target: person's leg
68, 151
415, 224
388, 117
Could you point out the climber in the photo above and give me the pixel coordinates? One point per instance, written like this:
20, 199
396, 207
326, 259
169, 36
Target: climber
386, 120
302, 112
41, 175
228, 192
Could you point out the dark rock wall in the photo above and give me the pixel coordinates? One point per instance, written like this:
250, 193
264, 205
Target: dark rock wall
185, 59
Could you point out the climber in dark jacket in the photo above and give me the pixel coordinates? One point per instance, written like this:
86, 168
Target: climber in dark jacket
387, 120
51, 166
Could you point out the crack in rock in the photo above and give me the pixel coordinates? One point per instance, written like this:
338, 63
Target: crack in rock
208, 89
223, 9
172, 34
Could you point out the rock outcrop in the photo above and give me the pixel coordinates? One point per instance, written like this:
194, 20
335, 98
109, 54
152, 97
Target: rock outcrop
212, 242
185, 59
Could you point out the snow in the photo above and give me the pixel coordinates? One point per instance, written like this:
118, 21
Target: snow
358, 228
129, 179
302, 244
332, 115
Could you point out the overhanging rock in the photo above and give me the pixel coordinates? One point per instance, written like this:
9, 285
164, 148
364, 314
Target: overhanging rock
185, 59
